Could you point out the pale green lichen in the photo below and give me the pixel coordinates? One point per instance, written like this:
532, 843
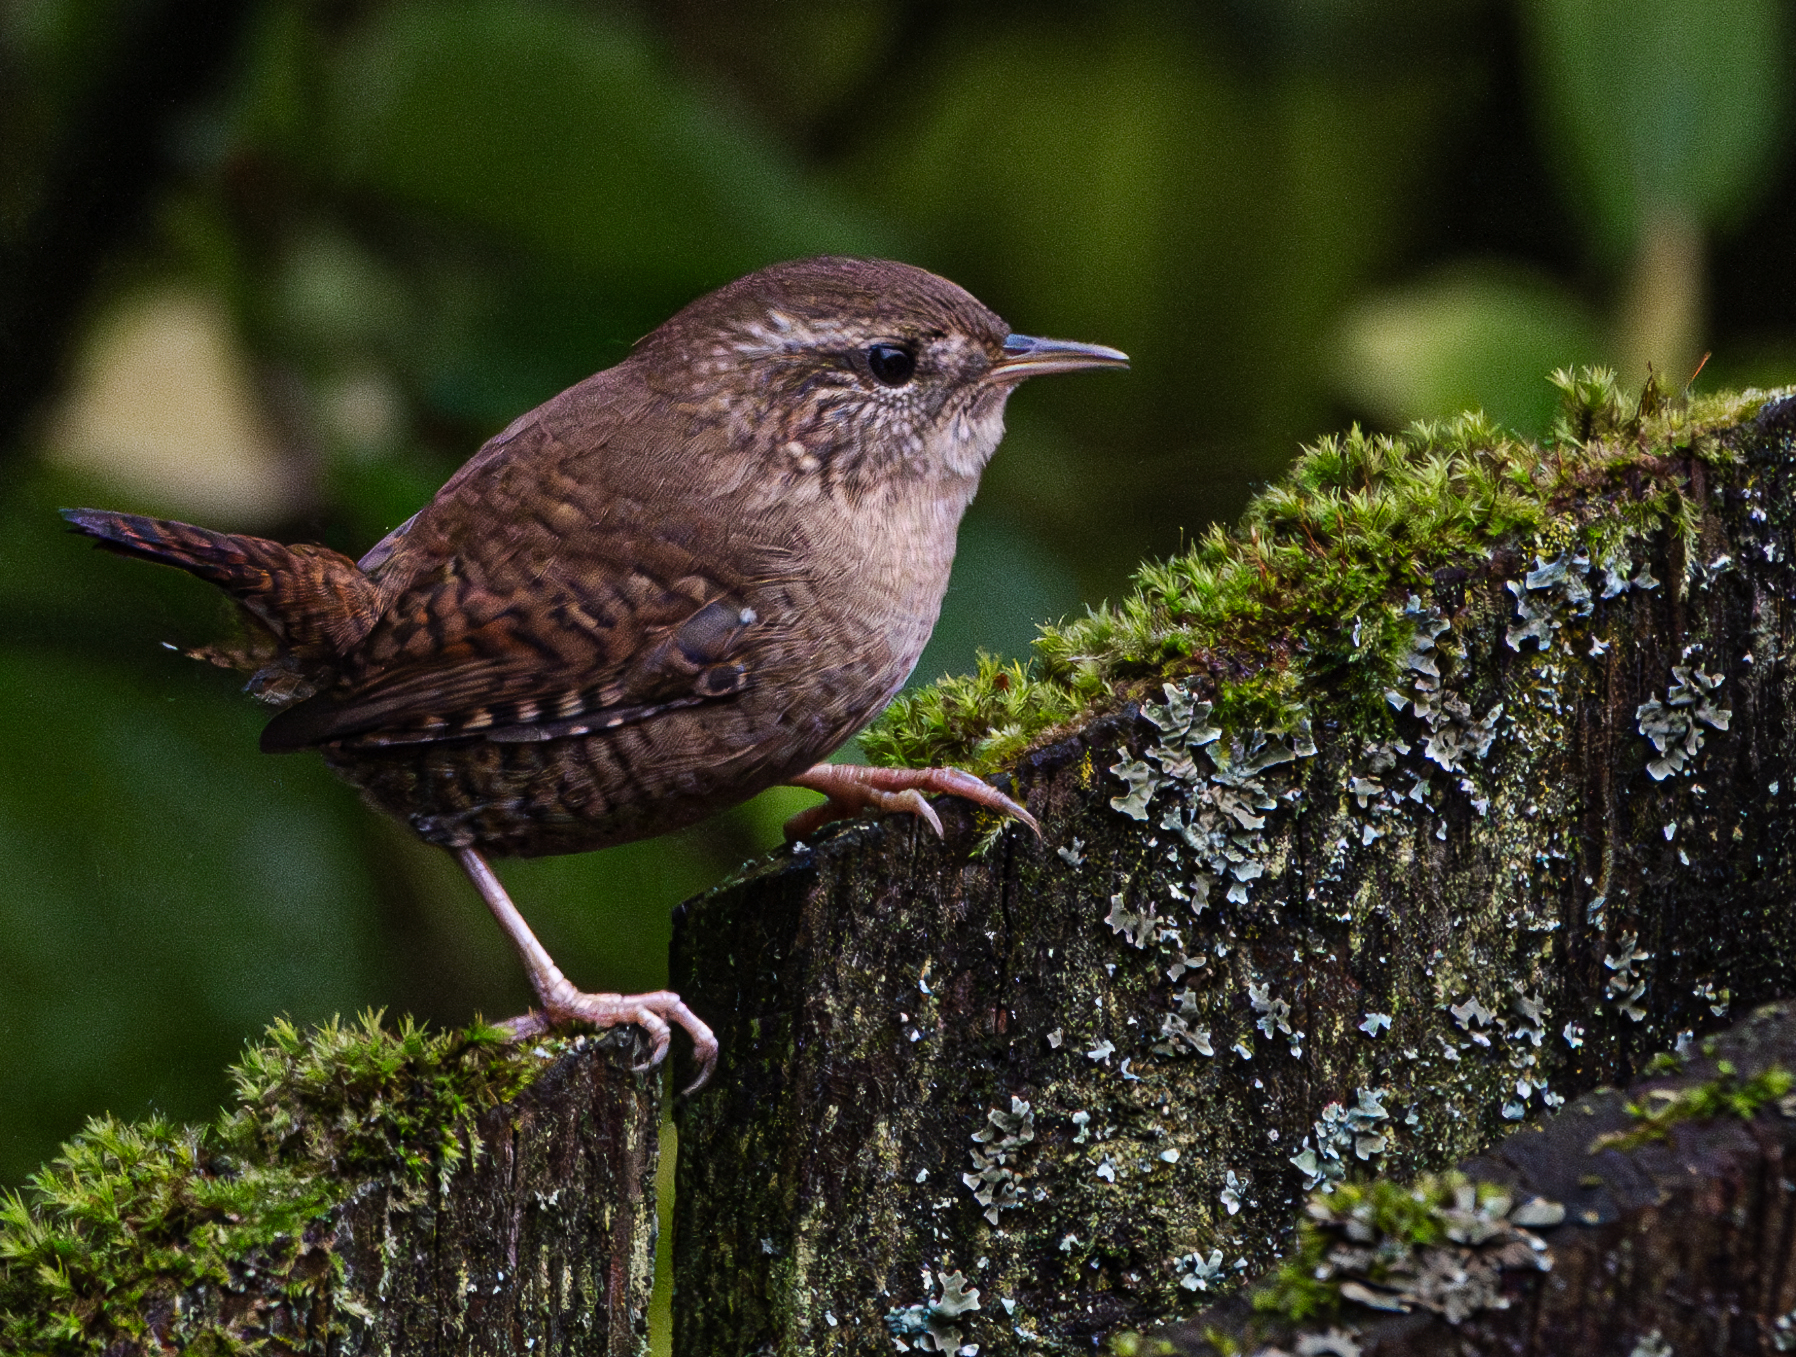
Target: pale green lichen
931, 1327
130, 1216
996, 1183
1675, 725
1328, 554
1414, 736
1626, 985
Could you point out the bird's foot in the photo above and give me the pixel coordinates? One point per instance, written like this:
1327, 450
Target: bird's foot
853, 789
653, 1013
562, 1003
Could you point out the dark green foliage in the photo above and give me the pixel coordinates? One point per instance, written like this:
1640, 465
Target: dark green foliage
129, 1216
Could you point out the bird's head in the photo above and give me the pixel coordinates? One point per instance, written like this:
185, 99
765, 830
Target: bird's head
853, 371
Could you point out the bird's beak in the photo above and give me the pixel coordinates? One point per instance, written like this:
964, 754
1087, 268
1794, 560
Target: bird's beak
1026, 356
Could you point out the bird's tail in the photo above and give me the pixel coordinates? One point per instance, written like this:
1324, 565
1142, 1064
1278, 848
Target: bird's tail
314, 600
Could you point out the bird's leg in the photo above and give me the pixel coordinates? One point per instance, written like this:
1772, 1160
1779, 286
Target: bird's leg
561, 1002
852, 789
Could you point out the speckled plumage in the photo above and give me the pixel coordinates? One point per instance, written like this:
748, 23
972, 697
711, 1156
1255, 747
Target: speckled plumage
688, 578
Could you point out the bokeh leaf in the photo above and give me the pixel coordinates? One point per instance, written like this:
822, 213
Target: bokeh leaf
1475, 338
1670, 107
166, 891
567, 132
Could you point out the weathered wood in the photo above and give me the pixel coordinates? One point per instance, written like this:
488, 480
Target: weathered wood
1682, 1242
545, 1244
372, 1196
1091, 1077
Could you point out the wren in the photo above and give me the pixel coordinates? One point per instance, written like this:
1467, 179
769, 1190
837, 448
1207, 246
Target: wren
688, 578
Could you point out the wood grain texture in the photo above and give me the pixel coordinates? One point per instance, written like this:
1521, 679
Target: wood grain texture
547, 1245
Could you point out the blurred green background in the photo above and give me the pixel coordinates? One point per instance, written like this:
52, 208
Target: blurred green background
280, 266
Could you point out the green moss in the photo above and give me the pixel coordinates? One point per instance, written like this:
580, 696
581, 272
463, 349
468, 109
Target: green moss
130, 1216
1306, 592
1725, 1094
1131, 1344
998, 709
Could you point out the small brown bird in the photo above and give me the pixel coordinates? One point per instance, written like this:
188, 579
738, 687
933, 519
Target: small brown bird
688, 578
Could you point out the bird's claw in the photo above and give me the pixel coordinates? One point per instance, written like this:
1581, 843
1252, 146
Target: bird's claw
653, 1013
909, 801
852, 789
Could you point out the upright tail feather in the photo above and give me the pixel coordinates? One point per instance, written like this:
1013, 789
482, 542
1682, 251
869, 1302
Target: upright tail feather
313, 599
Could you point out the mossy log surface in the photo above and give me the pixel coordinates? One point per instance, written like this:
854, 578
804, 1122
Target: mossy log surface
1507, 833
371, 1194
1676, 1232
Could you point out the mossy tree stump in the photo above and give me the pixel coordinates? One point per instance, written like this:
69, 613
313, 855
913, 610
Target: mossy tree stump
1427, 835
372, 1193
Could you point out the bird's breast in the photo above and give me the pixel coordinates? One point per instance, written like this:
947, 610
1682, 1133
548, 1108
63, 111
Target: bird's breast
849, 617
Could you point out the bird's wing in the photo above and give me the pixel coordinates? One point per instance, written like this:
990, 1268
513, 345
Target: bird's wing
532, 607
512, 679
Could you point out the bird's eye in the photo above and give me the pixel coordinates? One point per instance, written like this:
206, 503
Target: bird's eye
891, 364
